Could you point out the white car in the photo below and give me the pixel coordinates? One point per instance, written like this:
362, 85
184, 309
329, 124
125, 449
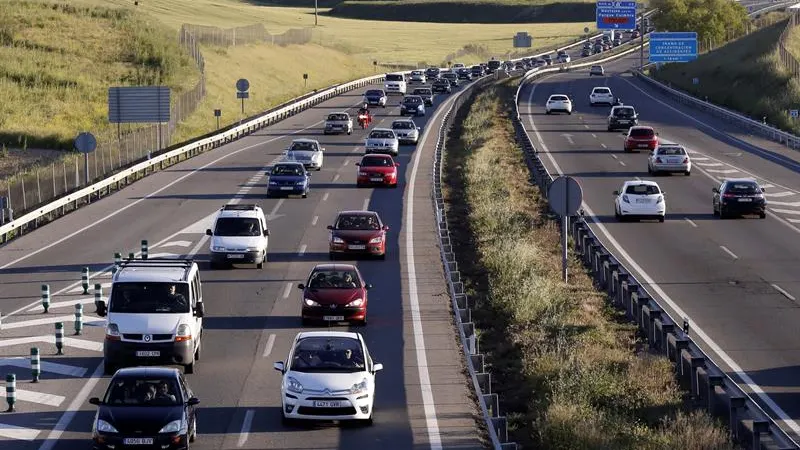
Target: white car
328, 375
406, 130
601, 95
305, 151
417, 76
558, 103
239, 235
564, 58
640, 199
669, 158
382, 140
395, 83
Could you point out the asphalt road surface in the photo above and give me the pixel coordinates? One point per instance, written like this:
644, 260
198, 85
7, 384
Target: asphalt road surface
252, 315
738, 281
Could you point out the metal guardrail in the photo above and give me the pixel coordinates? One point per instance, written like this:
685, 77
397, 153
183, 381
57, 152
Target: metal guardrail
709, 386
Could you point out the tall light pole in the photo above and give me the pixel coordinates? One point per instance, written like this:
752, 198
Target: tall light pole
315, 13
641, 35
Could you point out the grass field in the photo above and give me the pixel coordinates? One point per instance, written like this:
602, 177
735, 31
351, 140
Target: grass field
570, 371
745, 75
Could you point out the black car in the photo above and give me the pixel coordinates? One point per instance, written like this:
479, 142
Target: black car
464, 74
432, 73
451, 77
426, 94
622, 117
477, 70
737, 197
441, 85
145, 408
547, 59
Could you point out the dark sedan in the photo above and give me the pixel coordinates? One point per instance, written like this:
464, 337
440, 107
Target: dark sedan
441, 86
145, 408
288, 178
335, 293
358, 232
738, 197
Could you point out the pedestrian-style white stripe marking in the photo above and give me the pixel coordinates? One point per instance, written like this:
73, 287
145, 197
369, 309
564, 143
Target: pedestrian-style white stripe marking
793, 220
46, 366
725, 249
245, 432
789, 204
162, 255
604, 146
314, 221
175, 244
39, 397
767, 185
785, 211
698, 158
783, 292
690, 222
325, 197
622, 163
18, 433
79, 289
63, 304
779, 194
287, 290
366, 204
302, 250
722, 170
270, 343
335, 177
708, 164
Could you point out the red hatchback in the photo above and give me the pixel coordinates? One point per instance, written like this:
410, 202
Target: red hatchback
377, 169
358, 232
335, 293
640, 138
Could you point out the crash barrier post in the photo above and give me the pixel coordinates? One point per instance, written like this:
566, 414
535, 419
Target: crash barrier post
85, 280
78, 319
36, 369
98, 296
59, 338
117, 262
144, 248
46, 297
11, 391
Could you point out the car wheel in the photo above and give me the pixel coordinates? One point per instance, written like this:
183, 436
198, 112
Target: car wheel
367, 422
661, 219
547, 112
305, 322
649, 170
305, 195
687, 173
198, 351
349, 132
394, 186
193, 436
722, 213
763, 215
331, 256
108, 369
382, 256
189, 368
285, 420
569, 112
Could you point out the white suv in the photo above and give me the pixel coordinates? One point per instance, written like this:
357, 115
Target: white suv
155, 315
240, 236
601, 95
395, 83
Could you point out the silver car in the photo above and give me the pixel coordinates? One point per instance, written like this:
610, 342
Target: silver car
406, 130
669, 158
417, 76
382, 140
339, 122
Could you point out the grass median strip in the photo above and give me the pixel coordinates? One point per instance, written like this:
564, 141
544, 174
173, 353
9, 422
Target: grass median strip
570, 371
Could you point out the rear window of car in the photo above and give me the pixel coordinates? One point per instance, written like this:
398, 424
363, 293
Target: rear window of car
394, 77
642, 189
374, 92
380, 134
642, 132
559, 98
412, 100
624, 112
337, 116
602, 91
671, 151
422, 91
303, 146
376, 161
742, 188
402, 125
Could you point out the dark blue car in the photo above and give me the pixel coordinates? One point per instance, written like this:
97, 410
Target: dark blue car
288, 178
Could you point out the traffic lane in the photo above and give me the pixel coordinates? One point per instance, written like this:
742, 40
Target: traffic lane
714, 288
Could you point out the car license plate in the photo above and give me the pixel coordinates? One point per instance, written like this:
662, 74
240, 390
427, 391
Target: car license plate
376, 179
356, 247
138, 441
642, 200
333, 318
287, 188
327, 404
148, 353
643, 145
236, 256
745, 199
624, 121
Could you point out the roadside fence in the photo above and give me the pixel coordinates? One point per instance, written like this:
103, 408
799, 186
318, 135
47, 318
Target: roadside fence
787, 59
256, 33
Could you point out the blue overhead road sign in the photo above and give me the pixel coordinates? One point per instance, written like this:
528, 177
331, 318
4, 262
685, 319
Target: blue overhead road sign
673, 47
616, 15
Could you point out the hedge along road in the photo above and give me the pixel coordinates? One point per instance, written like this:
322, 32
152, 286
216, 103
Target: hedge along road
252, 315
736, 280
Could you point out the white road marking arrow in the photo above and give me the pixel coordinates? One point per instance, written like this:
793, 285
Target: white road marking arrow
779, 194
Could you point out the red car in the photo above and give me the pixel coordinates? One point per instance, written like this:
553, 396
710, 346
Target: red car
638, 138
358, 232
335, 293
377, 169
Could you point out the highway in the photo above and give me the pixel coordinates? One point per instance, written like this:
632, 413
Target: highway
252, 315
738, 281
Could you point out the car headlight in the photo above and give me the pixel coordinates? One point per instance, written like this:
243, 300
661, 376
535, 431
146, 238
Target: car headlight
660, 199
359, 388
301, 183
362, 174
252, 249
310, 302
355, 303
273, 183
625, 199
376, 240
173, 427
337, 240
293, 385
105, 427
112, 330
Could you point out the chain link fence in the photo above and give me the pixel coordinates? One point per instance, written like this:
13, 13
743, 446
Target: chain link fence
787, 59
753, 25
229, 37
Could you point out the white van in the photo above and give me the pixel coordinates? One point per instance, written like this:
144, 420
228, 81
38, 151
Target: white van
395, 83
155, 315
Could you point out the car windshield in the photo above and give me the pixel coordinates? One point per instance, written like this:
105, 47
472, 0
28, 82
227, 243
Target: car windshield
412, 100
449, 75
339, 116
375, 161
358, 222
642, 132
602, 91
287, 170
327, 354
380, 134
304, 146
671, 151
559, 98
374, 93
402, 125
642, 189
149, 298
422, 92
143, 392
392, 77
624, 112
742, 188
333, 279
237, 226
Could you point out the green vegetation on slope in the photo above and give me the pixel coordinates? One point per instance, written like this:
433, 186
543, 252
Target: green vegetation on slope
58, 60
570, 372
744, 75
713, 20
468, 11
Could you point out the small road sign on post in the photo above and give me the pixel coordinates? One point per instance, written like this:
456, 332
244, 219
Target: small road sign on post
793, 113
523, 40
305, 79
85, 143
565, 197
217, 114
242, 86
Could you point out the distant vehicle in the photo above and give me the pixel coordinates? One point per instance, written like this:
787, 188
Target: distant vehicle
334, 293
477, 70
558, 103
417, 76
640, 137
640, 199
493, 66
464, 73
441, 86
377, 169
457, 66
340, 122
395, 83
586, 52
432, 73
564, 58
413, 105
306, 381
451, 77
307, 152
406, 130
601, 95
382, 140
622, 117
358, 232
376, 97
288, 178
596, 70
426, 94
669, 158
548, 60
737, 197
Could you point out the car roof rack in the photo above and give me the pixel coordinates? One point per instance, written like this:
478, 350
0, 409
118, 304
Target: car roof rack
157, 262
240, 207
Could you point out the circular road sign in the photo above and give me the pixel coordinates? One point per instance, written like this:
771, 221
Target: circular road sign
85, 143
565, 196
242, 85
586, 30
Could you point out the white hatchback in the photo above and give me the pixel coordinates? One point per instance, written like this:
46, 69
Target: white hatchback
328, 375
558, 103
640, 199
601, 95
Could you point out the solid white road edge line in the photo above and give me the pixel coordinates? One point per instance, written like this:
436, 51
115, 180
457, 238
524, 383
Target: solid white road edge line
690, 222
783, 291
698, 332
314, 221
270, 344
246, 424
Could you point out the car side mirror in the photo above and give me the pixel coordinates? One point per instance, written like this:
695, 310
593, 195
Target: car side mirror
418, 128
616, 192
763, 189
95, 401
279, 366
193, 401
358, 163
101, 307
663, 192
368, 286
714, 190
266, 232
397, 164
200, 310
658, 134
209, 232
301, 286
377, 367
386, 228
330, 227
